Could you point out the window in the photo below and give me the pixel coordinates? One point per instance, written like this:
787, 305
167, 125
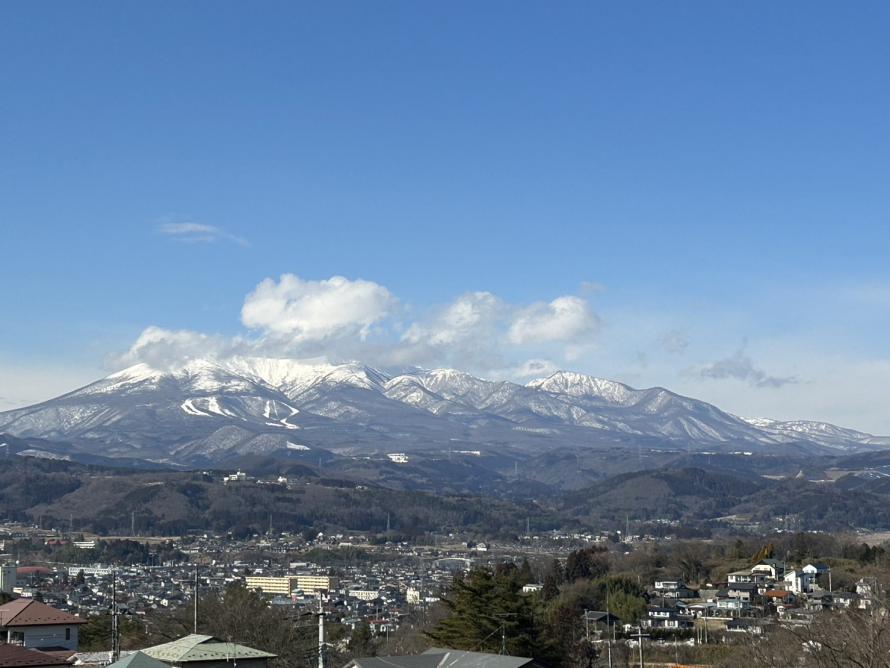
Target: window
67, 633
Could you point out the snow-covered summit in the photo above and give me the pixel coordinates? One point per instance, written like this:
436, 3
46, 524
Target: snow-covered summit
206, 407
582, 385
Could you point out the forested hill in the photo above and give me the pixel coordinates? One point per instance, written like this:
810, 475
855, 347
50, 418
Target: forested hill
104, 500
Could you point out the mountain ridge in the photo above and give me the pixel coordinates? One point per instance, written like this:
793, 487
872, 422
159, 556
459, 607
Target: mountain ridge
205, 409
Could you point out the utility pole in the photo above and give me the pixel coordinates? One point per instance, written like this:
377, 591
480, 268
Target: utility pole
132, 522
115, 631
195, 626
639, 636
609, 628
320, 633
387, 522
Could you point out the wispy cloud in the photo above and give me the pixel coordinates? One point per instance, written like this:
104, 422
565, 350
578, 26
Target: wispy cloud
739, 366
189, 232
674, 341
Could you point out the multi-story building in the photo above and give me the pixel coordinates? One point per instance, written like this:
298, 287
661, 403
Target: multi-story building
287, 584
7, 578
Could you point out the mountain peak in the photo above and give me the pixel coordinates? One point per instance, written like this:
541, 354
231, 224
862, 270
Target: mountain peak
581, 385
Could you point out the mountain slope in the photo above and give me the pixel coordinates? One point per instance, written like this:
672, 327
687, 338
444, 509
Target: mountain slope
207, 411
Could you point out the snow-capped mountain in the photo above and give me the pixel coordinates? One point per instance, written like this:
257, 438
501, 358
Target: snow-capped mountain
208, 410
823, 433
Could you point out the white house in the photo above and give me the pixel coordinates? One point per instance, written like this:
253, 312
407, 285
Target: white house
799, 582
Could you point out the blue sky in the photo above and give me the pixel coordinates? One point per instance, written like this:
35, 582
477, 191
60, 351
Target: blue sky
705, 183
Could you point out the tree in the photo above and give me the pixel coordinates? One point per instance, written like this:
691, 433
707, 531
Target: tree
242, 616
765, 552
589, 563
95, 635
834, 640
486, 611
525, 572
361, 642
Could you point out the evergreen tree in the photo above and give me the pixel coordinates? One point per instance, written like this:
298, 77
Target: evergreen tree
488, 611
361, 642
589, 563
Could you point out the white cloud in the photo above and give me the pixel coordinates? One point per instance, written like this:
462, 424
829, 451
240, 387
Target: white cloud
470, 315
342, 319
566, 319
162, 348
191, 232
533, 368
301, 311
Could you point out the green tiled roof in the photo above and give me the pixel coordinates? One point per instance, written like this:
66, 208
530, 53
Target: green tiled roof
203, 648
138, 660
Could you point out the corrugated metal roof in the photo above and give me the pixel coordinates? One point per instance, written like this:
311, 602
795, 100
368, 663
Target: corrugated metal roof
196, 647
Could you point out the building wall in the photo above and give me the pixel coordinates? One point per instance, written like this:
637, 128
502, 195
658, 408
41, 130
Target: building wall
7, 579
269, 585
285, 585
39, 637
316, 582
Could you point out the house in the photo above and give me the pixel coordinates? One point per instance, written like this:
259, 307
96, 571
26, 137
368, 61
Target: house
745, 625
747, 577
779, 597
665, 618
865, 588
816, 569
200, 651
799, 582
773, 568
673, 589
15, 656
435, 657
745, 591
32, 624
732, 604
599, 619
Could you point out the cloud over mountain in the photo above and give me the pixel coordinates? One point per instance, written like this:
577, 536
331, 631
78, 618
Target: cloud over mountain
304, 311
341, 319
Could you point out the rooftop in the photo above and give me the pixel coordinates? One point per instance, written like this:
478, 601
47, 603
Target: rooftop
196, 647
28, 612
15, 656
